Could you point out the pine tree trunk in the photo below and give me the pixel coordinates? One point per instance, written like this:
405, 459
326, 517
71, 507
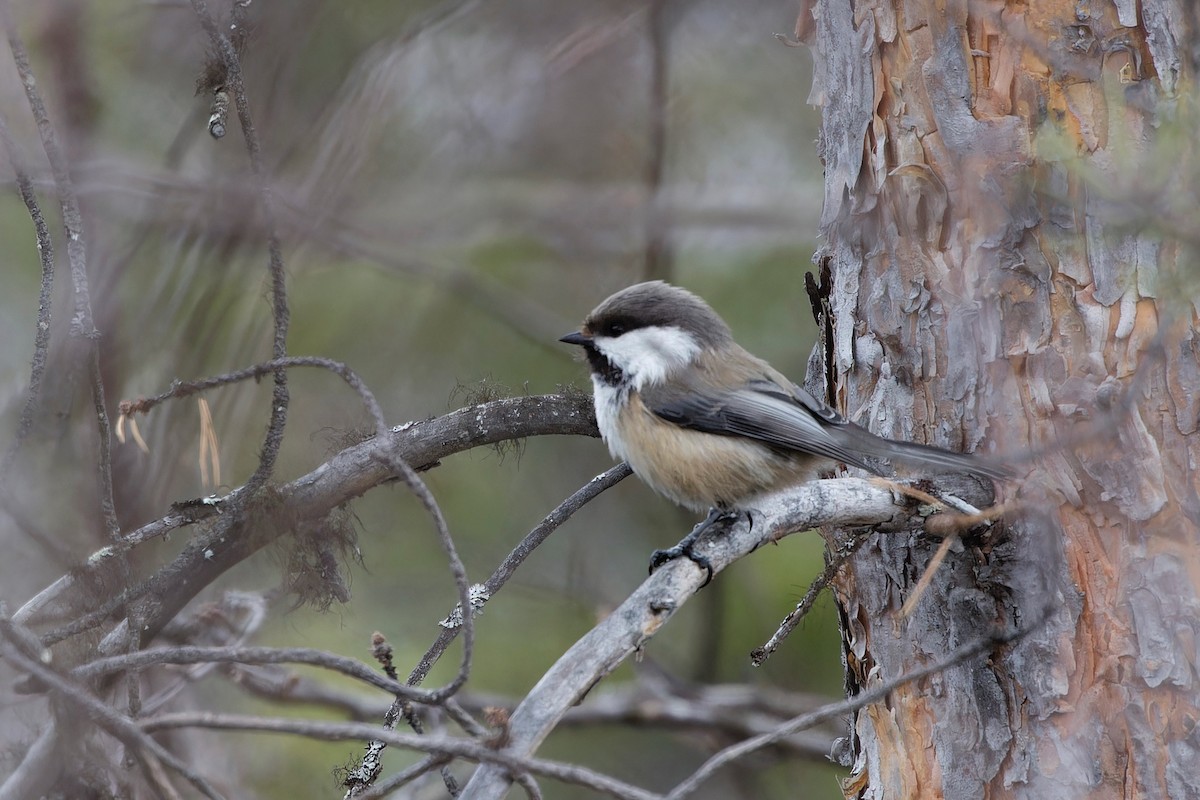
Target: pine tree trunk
1004, 272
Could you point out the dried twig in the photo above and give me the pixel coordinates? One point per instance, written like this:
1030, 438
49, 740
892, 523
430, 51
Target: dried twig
116, 725
456, 748
190, 654
861, 700
840, 502
347, 475
789, 623
41, 337
508, 566
234, 83
82, 323
143, 405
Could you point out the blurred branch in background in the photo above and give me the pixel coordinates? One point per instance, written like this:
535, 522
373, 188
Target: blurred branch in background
228, 78
659, 257
442, 189
41, 338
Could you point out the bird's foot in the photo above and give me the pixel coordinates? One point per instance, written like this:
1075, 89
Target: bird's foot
685, 549
681, 550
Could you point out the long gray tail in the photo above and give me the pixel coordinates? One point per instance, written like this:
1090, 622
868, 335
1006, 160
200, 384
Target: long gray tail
921, 454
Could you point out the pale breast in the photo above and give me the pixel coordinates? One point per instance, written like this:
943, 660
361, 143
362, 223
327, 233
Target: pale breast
697, 470
608, 400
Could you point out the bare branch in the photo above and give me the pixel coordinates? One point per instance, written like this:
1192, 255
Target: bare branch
358, 731
457, 569
121, 728
761, 654
143, 405
861, 700
841, 502
41, 338
250, 655
279, 305
36, 768
503, 572
535, 537
359, 780
350, 473
82, 324
404, 776
229, 622
732, 710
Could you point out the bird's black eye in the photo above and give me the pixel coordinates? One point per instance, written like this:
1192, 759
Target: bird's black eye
616, 326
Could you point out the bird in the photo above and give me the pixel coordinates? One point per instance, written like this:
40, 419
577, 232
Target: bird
709, 425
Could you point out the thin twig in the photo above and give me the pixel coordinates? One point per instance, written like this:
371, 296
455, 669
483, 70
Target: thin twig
403, 777
526, 782
761, 654
948, 524
918, 590
225, 48
370, 766
38, 765
861, 700
343, 477
251, 611
527, 545
93, 618
507, 567
191, 654
82, 323
121, 728
179, 389
704, 711
358, 731
82, 326
156, 776
457, 569
41, 337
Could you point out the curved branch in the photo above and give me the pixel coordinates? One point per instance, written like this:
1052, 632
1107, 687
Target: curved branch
111, 722
345, 476
339, 731
82, 322
224, 48
180, 389
505, 570
41, 339
875, 694
842, 502
191, 654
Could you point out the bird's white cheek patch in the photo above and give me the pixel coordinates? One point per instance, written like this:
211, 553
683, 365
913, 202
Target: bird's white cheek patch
648, 355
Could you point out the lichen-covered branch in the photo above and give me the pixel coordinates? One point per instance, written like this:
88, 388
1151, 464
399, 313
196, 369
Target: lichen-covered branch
228, 539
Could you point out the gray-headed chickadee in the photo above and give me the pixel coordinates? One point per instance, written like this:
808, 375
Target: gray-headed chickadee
709, 425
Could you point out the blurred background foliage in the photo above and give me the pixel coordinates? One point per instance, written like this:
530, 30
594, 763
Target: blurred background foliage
458, 184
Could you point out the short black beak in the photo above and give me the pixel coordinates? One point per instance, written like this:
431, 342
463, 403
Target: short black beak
578, 338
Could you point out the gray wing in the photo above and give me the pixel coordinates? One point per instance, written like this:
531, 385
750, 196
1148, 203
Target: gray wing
763, 411
793, 420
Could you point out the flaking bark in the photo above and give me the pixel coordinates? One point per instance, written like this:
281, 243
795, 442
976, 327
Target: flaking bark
992, 288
